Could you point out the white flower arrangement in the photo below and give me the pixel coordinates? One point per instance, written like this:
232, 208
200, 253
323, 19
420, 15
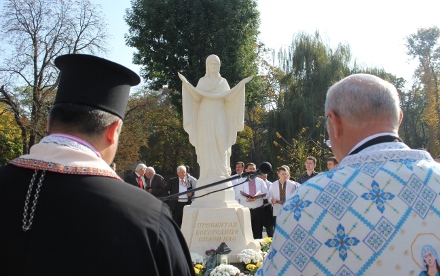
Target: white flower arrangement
197, 259
224, 270
248, 256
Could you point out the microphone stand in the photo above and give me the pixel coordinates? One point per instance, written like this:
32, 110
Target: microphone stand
248, 176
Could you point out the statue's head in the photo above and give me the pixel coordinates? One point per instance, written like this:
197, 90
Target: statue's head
213, 65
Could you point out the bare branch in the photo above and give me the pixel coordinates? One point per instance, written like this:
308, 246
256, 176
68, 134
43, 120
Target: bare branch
38, 32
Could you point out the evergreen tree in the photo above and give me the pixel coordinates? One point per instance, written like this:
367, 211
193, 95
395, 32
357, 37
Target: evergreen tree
177, 36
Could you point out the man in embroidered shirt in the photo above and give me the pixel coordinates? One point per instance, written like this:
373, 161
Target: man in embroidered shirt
378, 213
64, 211
245, 194
310, 170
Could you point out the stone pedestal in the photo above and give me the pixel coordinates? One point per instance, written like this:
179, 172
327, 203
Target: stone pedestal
217, 218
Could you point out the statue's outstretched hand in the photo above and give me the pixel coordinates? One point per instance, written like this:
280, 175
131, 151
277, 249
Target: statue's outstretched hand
182, 77
246, 80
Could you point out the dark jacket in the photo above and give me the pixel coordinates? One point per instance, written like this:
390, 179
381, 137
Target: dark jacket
87, 225
304, 177
173, 186
132, 179
157, 185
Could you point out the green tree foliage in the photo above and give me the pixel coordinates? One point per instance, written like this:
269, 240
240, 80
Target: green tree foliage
294, 153
414, 130
134, 132
242, 150
177, 36
424, 46
36, 32
153, 134
10, 136
309, 68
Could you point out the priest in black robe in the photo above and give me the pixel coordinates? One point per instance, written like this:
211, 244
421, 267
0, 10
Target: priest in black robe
63, 210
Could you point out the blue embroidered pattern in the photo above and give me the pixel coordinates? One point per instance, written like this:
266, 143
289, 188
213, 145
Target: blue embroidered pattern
379, 235
299, 248
344, 271
342, 242
343, 234
378, 196
296, 205
336, 199
418, 195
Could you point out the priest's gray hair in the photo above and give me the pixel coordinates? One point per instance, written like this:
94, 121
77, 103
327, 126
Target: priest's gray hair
181, 168
364, 98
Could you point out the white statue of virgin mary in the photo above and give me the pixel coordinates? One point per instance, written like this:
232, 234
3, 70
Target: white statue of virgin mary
213, 113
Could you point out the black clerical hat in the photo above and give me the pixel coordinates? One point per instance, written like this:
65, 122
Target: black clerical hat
94, 81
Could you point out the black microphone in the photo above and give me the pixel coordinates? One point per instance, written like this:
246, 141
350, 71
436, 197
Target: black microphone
263, 168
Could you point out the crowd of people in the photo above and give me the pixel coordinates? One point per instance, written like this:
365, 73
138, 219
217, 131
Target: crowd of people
263, 198
65, 211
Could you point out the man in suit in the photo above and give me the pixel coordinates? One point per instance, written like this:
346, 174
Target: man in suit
179, 185
63, 210
137, 178
155, 183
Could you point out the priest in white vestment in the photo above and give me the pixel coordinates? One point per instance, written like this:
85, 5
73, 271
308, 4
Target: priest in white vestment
378, 213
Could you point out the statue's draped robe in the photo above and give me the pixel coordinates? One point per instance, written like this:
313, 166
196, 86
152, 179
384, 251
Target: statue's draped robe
212, 115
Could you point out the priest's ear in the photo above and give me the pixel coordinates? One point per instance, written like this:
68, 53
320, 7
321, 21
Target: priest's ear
113, 132
333, 124
400, 117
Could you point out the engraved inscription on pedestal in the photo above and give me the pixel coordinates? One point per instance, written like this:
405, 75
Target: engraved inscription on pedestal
205, 229
226, 231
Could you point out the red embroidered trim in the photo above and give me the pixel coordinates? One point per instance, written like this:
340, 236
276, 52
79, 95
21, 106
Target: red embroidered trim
54, 167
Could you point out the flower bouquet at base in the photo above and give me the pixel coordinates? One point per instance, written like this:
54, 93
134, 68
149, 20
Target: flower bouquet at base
199, 264
265, 244
252, 260
252, 268
225, 270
